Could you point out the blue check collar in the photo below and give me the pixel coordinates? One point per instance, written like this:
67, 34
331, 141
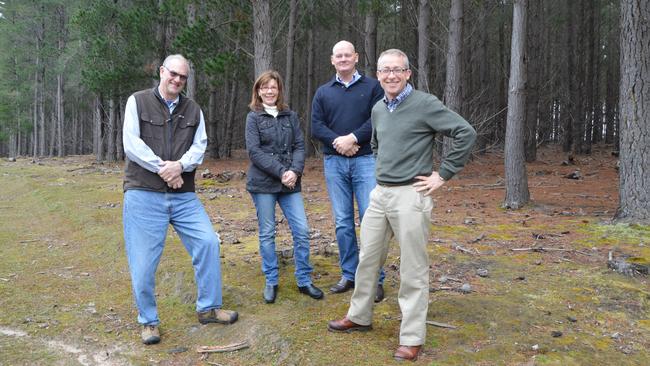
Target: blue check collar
393, 104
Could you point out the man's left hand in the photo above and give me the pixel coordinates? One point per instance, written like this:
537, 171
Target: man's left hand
346, 145
428, 184
170, 170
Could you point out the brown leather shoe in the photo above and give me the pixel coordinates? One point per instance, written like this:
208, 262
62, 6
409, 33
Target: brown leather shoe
407, 353
347, 326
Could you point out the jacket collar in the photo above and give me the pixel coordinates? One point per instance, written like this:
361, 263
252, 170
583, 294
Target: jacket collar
284, 112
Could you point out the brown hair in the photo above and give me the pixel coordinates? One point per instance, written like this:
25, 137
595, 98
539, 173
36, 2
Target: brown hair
265, 77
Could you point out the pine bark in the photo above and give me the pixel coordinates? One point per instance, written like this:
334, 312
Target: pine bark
370, 42
533, 50
291, 36
453, 97
424, 15
517, 194
262, 36
634, 188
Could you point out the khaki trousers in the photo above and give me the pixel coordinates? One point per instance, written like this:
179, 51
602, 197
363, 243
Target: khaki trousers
404, 213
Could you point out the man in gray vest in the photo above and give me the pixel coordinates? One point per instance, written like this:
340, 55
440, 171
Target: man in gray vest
164, 141
404, 127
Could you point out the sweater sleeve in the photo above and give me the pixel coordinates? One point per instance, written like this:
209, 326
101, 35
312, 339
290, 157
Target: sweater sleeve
448, 123
364, 132
319, 127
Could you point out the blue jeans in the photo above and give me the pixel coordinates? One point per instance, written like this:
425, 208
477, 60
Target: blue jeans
294, 210
347, 179
146, 217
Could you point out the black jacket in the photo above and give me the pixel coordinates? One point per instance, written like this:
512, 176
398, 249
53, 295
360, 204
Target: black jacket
274, 145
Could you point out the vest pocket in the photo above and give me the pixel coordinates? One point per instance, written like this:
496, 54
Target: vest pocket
150, 127
186, 122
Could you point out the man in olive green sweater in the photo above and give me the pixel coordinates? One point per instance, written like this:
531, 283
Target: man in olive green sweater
404, 125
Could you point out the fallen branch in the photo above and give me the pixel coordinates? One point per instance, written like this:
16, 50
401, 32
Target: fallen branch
227, 348
459, 248
441, 325
442, 288
540, 249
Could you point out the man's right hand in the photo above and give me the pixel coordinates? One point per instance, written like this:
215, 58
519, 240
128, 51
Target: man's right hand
346, 145
175, 183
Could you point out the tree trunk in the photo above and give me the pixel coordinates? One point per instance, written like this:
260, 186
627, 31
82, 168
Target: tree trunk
262, 36
517, 194
424, 15
190, 87
533, 77
453, 97
306, 128
612, 96
110, 131
98, 146
370, 41
568, 117
597, 133
230, 118
119, 121
60, 141
36, 135
291, 35
211, 125
634, 189
590, 61
52, 133
59, 116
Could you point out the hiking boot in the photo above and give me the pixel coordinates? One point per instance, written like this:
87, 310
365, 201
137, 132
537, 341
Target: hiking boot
150, 334
218, 316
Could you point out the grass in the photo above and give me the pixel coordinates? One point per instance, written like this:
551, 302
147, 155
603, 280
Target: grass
65, 282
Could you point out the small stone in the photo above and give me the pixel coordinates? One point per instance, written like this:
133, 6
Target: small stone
556, 334
538, 262
572, 319
616, 335
443, 279
482, 272
535, 347
466, 288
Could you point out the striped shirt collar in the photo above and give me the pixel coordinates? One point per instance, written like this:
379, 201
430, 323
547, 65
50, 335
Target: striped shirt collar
393, 104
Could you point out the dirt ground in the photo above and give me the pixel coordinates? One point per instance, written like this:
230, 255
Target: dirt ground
525, 287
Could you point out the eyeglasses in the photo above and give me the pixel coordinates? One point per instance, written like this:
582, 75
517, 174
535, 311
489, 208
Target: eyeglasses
268, 88
174, 74
394, 71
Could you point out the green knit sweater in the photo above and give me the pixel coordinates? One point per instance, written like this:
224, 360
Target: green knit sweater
403, 141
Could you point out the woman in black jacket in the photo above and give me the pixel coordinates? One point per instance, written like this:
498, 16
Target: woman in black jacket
276, 148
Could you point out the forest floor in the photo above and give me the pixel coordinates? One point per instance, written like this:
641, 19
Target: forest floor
540, 291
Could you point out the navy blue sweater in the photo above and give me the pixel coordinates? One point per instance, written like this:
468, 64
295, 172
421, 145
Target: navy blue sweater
337, 111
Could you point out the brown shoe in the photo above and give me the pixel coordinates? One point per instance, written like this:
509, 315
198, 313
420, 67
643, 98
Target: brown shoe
150, 334
347, 326
217, 316
407, 353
